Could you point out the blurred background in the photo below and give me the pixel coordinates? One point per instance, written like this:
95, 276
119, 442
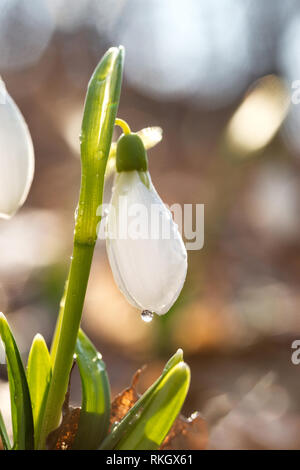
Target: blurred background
221, 78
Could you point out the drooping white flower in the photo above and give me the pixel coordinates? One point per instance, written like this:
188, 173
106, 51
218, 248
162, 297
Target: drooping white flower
16, 156
147, 255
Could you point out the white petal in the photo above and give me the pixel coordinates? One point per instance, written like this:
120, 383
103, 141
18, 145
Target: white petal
16, 157
150, 272
150, 136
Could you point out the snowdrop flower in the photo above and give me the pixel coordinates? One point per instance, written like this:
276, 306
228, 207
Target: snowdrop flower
149, 264
16, 156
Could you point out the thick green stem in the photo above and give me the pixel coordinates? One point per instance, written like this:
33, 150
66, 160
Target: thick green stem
78, 279
98, 121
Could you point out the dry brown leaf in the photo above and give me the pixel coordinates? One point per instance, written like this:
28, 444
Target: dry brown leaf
63, 437
125, 400
187, 434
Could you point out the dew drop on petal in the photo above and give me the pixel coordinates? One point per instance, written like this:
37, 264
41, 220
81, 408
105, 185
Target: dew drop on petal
146, 316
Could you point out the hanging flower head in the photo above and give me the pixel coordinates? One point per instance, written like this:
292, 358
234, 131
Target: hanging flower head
147, 256
16, 156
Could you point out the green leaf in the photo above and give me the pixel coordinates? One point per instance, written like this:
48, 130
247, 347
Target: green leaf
3, 434
101, 104
19, 392
133, 415
173, 361
160, 413
38, 378
95, 411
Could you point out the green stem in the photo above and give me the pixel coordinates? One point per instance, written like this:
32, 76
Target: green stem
98, 122
124, 126
78, 279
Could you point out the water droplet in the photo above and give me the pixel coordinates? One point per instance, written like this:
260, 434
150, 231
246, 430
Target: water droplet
76, 213
147, 316
193, 416
114, 426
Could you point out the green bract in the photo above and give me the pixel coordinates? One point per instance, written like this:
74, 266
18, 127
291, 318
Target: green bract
131, 153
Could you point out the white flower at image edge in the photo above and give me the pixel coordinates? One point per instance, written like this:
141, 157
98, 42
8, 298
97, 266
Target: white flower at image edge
16, 156
150, 272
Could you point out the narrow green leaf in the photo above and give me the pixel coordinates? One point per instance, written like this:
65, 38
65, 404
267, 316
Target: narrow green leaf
19, 393
163, 408
101, 104
173, 361
13, 404
3, 434
38, 378
95, 411
127, 423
